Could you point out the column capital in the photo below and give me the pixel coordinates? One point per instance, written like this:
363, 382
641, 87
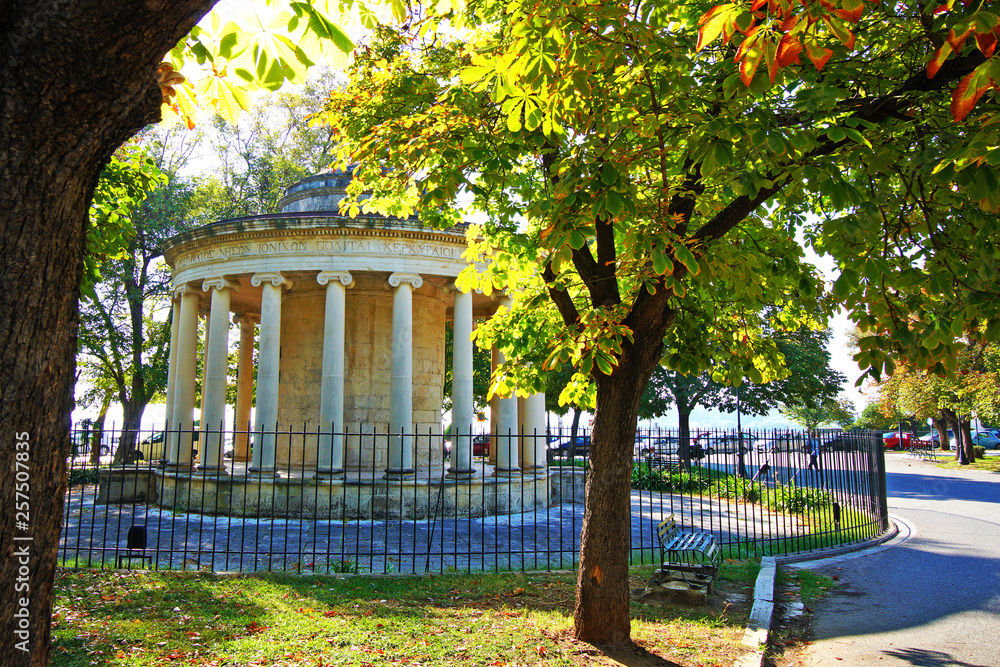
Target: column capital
343, 277
397, 279
273, 277
249, 318
186, 290
452, 288
219, 283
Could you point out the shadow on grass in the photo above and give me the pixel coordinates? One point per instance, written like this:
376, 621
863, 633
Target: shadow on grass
139, 618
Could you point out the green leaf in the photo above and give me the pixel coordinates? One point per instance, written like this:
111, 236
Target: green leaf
659, 261
609, 175
470, 75
687, 258
614, 203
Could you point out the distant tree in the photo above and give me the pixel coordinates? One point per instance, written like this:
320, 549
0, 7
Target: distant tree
123, 338
829, 411
808, 381
263, 152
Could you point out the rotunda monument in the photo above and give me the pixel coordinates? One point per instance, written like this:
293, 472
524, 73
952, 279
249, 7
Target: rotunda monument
350, 370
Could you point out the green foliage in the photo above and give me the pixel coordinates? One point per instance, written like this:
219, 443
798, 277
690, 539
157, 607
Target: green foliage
269, 148
780, 498
261, 48
655, 478
126, 181
829, 411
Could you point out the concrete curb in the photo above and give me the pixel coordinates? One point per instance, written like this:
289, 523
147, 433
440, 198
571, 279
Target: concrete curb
758, 628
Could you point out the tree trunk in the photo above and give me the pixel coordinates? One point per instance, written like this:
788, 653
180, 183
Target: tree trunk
602, 595
955, 422
126, 450
966, 440
77, 78
97, 432
941, 426
684, 435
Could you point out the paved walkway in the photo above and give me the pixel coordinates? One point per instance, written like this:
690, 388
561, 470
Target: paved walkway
931, 598
547, 539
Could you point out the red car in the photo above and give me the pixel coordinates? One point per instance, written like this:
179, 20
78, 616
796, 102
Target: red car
481, 445
892, 441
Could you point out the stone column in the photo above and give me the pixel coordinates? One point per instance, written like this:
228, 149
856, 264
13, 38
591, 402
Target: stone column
534, 444
495, 361
213, 401
461, 383
507, 440
401, 388
268, 360
244, 388
204, 375
180, 440
175, 326
330, 457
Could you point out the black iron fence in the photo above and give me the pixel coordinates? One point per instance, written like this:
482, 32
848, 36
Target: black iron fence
759, 493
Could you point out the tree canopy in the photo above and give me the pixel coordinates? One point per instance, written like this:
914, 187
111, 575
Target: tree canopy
645, 176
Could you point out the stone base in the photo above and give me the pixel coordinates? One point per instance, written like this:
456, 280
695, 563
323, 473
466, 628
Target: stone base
325, 498
670, 586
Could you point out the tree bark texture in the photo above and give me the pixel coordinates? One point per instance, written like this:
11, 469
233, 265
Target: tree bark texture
77, 78
602, 594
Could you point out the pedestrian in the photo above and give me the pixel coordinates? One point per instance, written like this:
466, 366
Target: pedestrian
812, 446
765, 467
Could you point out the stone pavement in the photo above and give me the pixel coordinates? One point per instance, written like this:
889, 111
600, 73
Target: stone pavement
94, 535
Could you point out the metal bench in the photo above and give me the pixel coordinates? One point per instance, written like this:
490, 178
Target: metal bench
695, 555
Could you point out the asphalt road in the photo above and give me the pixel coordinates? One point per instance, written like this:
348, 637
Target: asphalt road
931, 597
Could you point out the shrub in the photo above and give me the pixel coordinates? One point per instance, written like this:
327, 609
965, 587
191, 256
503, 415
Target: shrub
83, 476
979, 451
651, 478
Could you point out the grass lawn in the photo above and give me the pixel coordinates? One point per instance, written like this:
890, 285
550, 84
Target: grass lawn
991, 463
175, 618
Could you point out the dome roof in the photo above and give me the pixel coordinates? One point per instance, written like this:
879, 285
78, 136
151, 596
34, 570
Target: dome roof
319, 192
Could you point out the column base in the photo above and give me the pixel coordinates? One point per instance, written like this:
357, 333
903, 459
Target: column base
506, 472
214, 471
399, 474
461, 473
178, 467
263, 474
534, 471
329, 475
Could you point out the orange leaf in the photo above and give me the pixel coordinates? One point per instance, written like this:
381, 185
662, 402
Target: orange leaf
969, 90
956, 40
987, 43
940, 56
819, 55
788, 51
852, 14
713, 22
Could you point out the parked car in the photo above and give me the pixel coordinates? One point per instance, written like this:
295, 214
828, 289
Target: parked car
657, 448
987, 439
936, 439
728, 442
481, 445
892, 440
981, 438
154, 449
566, 447
670, 447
